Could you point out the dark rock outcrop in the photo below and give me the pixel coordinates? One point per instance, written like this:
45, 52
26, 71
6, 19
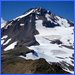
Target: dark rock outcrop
14, 53
56, 41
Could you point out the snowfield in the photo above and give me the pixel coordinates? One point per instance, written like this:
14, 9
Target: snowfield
53, 52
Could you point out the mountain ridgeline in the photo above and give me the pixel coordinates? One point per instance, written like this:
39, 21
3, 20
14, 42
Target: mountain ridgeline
22, 29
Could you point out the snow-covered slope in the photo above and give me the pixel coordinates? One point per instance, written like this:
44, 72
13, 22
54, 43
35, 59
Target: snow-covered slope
3, 23
53, 52
49, 35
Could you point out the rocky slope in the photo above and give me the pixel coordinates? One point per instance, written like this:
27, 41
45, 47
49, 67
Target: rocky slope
39, 66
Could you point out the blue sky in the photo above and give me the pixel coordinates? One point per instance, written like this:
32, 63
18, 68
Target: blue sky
13, 9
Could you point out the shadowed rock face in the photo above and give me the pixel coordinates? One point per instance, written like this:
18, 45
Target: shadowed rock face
70, 47
16, 52
56, 41
49, 24
24, 35
20, 65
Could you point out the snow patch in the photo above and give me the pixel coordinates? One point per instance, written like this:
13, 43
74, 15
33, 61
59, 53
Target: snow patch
7, 42
2, 41
3, 22
48, 17
4, 37
11, 46
30, 20
21, 24
62, 21
24, 14
36, 17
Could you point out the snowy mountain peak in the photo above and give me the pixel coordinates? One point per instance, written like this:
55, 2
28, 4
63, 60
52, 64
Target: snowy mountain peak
49, 19
40, 10
31, 11
50, 36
